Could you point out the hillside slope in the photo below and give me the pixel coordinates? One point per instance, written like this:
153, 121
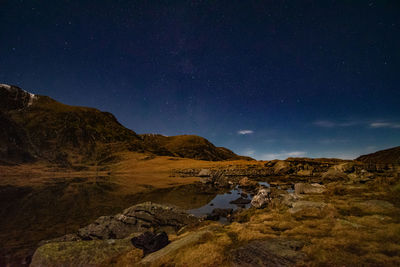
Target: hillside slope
387, 156
39, 127
187, 146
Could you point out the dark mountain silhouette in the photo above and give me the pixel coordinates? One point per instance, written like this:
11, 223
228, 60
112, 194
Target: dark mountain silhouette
39, 127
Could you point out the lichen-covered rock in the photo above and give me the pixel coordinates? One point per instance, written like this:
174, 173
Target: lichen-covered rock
261, 199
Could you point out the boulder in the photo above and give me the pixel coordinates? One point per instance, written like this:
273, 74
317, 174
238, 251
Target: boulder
301, 188
150, 242
261, 199
174, 247
204, 173
138, 218
247, 183
282, 167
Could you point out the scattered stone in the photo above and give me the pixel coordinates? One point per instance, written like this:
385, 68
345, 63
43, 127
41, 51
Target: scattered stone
262, 198
150, 242
244, 195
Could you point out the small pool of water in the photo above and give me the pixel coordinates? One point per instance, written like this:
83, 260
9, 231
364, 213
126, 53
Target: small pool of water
221, 201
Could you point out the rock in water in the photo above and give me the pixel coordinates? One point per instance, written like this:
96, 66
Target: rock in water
150, 242
240, 201
261, 199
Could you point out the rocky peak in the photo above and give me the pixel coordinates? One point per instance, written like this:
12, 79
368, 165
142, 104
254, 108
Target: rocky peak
13, 97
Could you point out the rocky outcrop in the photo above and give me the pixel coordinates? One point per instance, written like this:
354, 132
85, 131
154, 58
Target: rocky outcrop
139, 218
14, 98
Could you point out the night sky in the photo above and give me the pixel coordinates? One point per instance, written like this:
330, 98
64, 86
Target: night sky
268, 79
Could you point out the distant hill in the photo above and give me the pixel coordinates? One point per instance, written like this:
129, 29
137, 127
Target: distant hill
387, 156
187, 146
39, 127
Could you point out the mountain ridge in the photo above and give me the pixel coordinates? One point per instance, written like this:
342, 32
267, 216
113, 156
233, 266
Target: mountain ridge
40, 127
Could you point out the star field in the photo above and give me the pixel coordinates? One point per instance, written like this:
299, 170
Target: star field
298, 78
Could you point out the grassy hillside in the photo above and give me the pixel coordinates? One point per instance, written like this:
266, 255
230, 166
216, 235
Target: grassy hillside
42, 128
387, 156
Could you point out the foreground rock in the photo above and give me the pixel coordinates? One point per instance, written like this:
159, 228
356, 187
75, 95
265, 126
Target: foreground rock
176, 246
138, 218
261, 199
150, 242
247, 183
110, 236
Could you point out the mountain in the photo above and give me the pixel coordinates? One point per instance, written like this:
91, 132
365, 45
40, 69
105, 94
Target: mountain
187, 146
39, 127
387, 156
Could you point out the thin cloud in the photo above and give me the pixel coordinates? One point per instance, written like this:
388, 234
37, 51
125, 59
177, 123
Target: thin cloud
325, 124
244, 132
249, 152
283, 155
331, 124
385, 125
